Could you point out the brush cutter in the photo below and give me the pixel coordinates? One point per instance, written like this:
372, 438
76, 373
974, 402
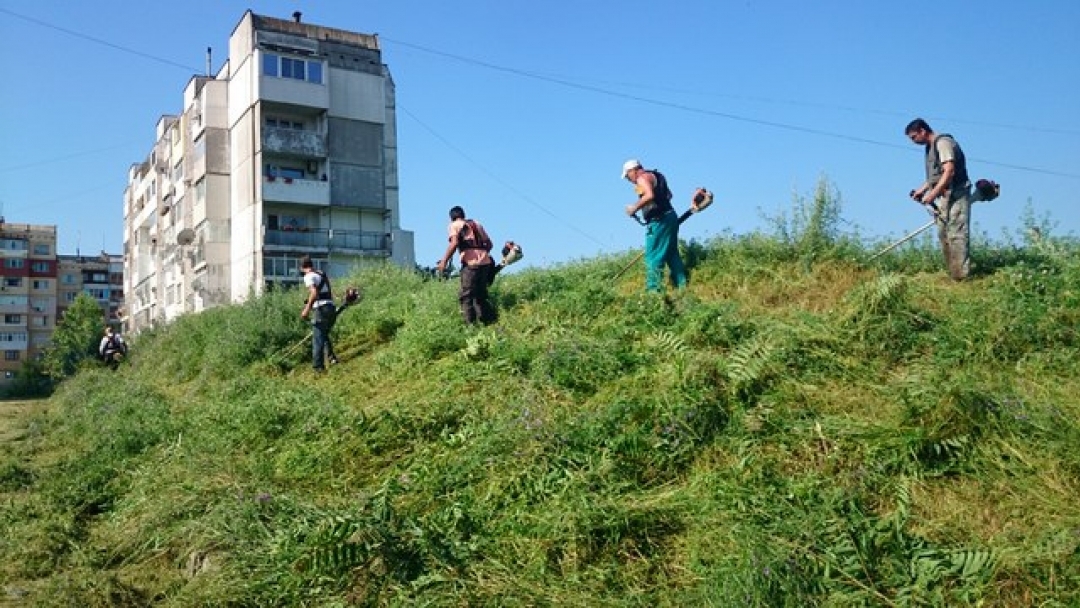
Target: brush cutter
701, 200
352, 296
985, 191
511, 252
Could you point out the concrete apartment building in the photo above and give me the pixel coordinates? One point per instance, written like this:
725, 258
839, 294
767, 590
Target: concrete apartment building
27, 293
290, 149
99, 276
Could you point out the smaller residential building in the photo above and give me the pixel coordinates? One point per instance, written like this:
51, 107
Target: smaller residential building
101, 277
27, 293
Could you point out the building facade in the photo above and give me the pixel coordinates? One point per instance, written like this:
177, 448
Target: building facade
101, 277
27, 293
290, 149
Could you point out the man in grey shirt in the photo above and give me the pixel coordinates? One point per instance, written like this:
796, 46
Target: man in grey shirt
947, 191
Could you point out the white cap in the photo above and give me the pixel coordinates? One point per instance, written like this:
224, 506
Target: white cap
633, 163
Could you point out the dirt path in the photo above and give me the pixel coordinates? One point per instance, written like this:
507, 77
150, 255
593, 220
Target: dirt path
15, 416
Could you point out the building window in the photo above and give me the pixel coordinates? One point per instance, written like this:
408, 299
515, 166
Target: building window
70, 296
290, 67
11, 355
284, 172
15, 336
270, 65
13, 282
13, 244
41, 284
42, 249
39, 267
42, 321
13, 319
281, 123
13, 263
68, 279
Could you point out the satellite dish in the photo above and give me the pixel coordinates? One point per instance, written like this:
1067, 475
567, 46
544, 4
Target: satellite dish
185, 237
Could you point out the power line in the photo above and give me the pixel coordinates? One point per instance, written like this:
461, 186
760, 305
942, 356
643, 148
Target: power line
704, 111
595, 89
56, 159
100, 41
505, 184
853, 109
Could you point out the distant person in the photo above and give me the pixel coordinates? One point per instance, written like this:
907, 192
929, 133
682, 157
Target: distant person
477, 267
662, 225
947, 191
320, 305
112, 349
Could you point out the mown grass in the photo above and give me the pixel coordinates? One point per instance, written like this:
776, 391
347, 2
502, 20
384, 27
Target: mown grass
797, 429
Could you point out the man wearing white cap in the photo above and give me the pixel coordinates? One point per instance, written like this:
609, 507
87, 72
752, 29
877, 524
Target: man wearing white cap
662, 225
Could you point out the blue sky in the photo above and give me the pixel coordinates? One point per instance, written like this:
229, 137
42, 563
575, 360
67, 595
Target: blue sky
524, 112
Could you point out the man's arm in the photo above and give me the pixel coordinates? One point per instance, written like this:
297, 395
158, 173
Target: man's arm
646, 193
450, 249
313, 294
948, 169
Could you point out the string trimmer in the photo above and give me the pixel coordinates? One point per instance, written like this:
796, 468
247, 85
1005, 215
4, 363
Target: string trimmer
701, 200
985, 191
511, 252
352, 296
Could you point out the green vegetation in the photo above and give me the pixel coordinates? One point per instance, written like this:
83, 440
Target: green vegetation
797, 429
75, 340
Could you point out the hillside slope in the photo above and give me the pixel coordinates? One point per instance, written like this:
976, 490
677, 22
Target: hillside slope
796, 429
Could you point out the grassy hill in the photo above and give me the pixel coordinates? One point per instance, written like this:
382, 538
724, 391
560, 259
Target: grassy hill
797, 429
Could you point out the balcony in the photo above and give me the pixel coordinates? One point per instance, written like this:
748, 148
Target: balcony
328, 240
292, 190
294, 143
11, 308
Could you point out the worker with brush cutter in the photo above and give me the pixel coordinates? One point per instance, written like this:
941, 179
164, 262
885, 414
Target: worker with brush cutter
661, 222
477, 268
947, 192
352, 296
320, 305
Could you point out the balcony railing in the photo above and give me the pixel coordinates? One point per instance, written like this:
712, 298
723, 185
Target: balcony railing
292, 190
334, 240
291, 142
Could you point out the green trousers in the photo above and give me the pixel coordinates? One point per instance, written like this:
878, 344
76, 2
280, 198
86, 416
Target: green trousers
662, 248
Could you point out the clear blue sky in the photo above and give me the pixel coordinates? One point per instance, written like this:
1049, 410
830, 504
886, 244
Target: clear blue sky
523, 112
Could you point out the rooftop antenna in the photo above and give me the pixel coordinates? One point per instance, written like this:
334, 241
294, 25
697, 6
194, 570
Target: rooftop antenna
209, 53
